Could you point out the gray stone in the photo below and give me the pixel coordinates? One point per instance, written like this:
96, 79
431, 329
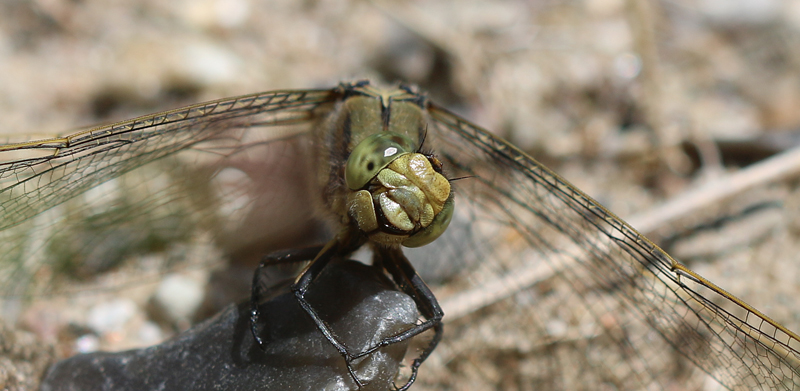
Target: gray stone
358, 302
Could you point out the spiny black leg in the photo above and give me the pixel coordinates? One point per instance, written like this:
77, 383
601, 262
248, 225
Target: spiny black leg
276, 258
404, 275
300, 287
392, 261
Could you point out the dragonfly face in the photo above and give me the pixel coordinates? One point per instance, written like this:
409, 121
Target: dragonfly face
413, 199
391, 192
547, 274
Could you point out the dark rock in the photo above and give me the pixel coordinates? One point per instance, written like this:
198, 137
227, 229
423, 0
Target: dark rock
357, 301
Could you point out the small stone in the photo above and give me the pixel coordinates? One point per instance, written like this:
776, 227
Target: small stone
178, 298
741, 11
111, 316
87, 343
150, 333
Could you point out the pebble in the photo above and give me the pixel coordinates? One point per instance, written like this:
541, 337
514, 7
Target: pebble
111, 316
741, 11
178, 297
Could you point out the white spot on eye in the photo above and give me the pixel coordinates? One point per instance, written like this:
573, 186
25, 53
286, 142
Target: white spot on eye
391, 151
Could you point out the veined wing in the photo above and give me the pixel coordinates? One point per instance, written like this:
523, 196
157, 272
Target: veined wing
601, 305
41, 223
579, 299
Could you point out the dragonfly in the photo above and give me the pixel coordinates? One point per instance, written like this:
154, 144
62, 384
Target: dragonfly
583, 298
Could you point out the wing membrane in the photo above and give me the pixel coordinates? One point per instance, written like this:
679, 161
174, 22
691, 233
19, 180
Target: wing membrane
32, 184
545, 288
40, 180
607, 305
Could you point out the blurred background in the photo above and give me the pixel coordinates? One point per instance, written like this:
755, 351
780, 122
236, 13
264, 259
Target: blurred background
634, 102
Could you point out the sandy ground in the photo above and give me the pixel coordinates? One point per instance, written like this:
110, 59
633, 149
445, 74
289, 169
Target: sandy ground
634, 102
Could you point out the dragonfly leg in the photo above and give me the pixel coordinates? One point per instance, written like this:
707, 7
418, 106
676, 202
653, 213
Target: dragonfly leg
404, 275
257, 290
300, 287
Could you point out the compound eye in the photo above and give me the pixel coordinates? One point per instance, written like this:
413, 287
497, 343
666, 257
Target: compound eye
372, 155
436, 229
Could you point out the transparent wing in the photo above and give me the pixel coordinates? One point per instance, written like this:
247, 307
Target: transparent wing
75, 202
545, 289
565, 295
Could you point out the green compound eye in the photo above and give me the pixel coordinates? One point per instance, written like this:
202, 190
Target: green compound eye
436, 229
372, 155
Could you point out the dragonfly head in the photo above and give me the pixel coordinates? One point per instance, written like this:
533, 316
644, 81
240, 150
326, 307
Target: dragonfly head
397, 196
